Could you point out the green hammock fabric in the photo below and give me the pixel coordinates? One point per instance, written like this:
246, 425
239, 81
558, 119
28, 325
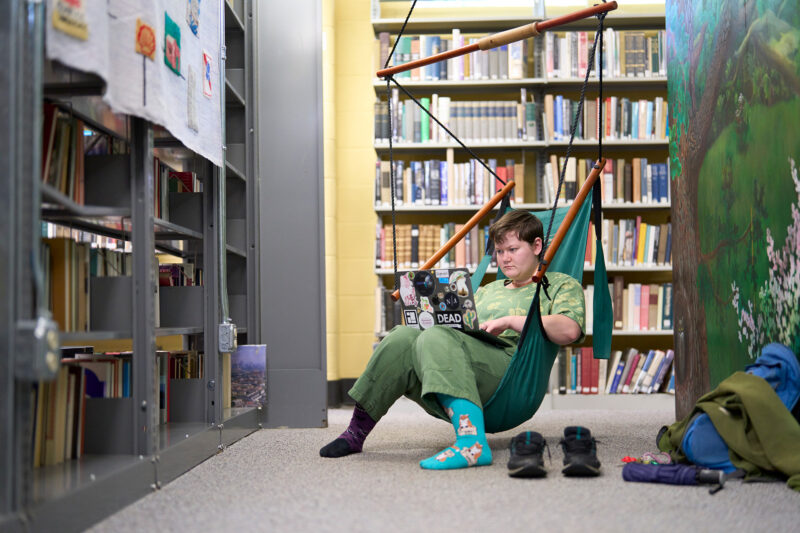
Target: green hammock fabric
525, 382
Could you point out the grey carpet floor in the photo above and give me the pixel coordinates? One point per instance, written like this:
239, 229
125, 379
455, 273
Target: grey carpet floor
274, 480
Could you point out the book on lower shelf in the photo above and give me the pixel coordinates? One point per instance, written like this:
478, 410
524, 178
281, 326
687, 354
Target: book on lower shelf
628, 372
63, 408
636, 306
248, 371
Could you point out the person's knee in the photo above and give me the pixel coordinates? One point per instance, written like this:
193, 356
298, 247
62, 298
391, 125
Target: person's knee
401, 337
435, 343
399, 342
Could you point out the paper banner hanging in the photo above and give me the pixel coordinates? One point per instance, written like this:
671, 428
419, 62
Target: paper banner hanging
145, 40
193, 15
69, 16
172, 44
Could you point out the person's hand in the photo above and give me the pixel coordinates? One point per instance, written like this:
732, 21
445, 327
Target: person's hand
496, 326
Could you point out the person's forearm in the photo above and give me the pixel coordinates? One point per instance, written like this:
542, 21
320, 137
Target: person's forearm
560, 329
516, 323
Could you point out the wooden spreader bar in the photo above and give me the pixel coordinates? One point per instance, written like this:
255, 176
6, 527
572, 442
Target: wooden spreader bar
504, 37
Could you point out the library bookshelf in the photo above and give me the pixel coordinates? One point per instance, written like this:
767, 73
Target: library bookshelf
527, 93
143, 248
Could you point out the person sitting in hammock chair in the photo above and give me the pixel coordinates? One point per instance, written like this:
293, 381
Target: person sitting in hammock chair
451, 374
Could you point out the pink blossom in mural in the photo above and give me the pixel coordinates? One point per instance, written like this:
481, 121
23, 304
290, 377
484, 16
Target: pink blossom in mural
778, 311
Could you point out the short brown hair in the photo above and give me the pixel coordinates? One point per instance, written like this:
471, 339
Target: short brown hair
524, 224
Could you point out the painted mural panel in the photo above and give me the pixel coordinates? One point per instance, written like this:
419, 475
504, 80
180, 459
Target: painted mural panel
734, 99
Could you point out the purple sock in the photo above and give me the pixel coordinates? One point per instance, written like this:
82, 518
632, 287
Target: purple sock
360, 426
352, 440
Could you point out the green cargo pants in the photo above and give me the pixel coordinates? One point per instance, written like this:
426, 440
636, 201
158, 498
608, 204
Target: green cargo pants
440, 360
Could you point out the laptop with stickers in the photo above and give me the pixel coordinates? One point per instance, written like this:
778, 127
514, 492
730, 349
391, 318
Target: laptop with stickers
440, 296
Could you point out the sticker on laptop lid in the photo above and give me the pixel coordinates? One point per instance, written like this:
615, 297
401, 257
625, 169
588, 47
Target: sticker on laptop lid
449, 318
469, 318
426, 320
425, 305
407, 289
458, 283
411, 318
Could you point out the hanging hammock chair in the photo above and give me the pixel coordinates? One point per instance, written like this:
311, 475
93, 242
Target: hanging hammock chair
525, 382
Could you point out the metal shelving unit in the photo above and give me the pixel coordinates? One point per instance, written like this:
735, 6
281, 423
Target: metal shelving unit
241, 213
140, 455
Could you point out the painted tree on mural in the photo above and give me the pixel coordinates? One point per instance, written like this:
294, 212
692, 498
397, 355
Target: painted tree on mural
737, 61
695, 70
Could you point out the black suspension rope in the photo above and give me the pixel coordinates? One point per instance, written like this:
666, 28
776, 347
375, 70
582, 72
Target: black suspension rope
573, 128
402, 29
597, 191
391, 185
391, 155
464, 146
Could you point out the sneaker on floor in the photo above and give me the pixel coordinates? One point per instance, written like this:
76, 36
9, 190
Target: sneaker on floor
526, 455
580, 453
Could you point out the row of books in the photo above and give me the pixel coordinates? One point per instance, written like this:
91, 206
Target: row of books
166, 181
418, 242
479, 121
65, 144
566, 55
623, 118
175, 365
626, 53
631, 242
633, 372
179, 275
57, 231
626, 242
59, 406
485, 121
635, 306
634, 181
69, 266
444, 182
514, 61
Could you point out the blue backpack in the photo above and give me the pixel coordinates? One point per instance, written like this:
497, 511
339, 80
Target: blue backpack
779, 367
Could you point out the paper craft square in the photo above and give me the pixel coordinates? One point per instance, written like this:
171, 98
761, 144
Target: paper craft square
191, 105
172, 44
69, 16
193, 15
206, 74
145, 40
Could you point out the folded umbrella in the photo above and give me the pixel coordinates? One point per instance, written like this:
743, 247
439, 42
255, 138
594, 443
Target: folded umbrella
674, 474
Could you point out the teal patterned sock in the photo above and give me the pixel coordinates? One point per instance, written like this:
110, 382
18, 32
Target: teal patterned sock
470, 448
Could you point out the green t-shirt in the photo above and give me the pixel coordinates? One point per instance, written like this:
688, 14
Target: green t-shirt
496, 300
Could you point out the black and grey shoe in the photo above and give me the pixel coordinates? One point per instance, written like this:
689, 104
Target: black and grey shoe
580, 453
526, 455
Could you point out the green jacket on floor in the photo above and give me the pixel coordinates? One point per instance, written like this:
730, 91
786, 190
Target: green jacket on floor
762, 435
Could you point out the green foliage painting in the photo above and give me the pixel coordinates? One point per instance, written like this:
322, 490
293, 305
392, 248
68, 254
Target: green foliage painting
734, 101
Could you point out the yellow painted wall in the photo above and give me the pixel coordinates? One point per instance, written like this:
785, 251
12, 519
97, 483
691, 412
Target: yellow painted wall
329, 171
349, 162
